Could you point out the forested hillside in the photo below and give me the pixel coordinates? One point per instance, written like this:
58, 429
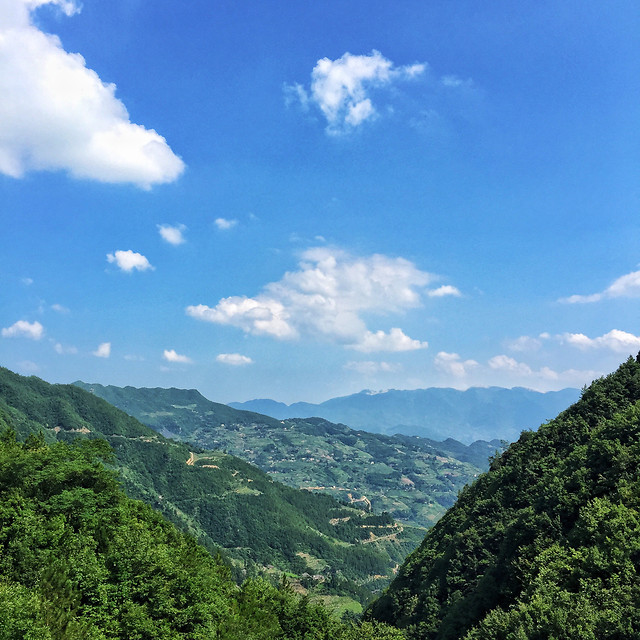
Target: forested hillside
81, 561
330, 548
414, 479
544, 545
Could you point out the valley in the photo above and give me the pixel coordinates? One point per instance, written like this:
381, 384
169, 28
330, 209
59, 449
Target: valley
414, 479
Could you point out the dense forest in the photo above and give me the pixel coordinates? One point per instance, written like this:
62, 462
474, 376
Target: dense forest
82, 561
340, 552
544, 545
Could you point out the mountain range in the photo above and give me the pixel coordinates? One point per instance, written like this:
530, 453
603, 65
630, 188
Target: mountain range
258, 524
414, 479
545, 544
479, 413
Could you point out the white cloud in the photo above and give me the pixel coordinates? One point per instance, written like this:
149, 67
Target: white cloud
24, 329
395, 340
64, 350
129, 260
56, 114
444, 290
172, 235
103, 350
615, 340
27, 282
59, 308
224, 224
505, 363
170, 355
527, 343
453, 364
627, 286
233, 359
341, 88
326, 298
370, 368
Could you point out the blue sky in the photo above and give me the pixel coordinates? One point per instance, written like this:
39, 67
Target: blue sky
303, 200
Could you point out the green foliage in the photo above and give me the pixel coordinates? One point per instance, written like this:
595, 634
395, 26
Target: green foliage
414, 479
81, 561
547, 543
226, 504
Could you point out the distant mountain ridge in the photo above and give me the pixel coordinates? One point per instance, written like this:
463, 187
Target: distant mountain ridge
414, 479
479, 413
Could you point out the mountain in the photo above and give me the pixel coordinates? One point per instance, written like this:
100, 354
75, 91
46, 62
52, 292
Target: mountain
82, 561
259, 524
544, 545
414, 479
478, 413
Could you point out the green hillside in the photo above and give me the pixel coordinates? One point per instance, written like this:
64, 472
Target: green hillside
547, 543
413, 479
81, 561
331, 549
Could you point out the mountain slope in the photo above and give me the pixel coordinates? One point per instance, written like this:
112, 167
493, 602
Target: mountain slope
223, 501
437, 413
81, 561
544, 545
412, 478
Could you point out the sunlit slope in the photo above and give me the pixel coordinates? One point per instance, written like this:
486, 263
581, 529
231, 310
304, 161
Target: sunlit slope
81, 561
544, 545
226, 503
412, 478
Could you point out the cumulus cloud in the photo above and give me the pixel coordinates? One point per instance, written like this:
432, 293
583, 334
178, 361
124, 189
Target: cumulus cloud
395, 340
129, 260
452, 364
233, 359
170, 355
103, 350
24, 329
56, 114
172, 235
225, 224
342, 89
543, 378
444, 290
615, 340
627, 286
506, 363
325, 298
370, 368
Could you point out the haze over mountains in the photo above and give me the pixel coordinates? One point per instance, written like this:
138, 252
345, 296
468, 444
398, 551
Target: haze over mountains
479, 413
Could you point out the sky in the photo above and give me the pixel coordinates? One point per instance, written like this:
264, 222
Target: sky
301, 200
